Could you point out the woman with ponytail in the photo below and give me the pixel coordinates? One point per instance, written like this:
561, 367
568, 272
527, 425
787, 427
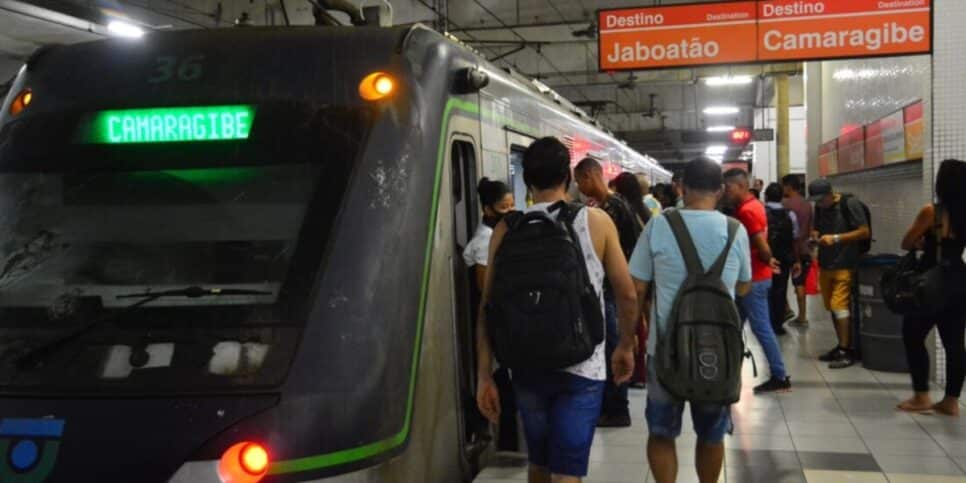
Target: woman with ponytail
496, 200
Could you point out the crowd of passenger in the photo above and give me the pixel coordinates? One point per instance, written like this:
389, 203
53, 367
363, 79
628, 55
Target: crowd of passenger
640, 253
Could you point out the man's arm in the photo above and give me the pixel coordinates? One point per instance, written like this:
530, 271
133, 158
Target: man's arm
615, 266
761, 244
487, 395
859, 234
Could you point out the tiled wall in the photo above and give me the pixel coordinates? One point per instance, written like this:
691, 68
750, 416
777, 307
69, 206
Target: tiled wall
949, 99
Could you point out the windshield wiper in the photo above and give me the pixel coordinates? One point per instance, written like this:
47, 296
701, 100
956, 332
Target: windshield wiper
35, 357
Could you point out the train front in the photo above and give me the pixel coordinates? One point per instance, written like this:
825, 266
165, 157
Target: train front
172, 257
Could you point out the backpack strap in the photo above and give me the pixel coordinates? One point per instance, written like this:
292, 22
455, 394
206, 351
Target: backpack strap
685, 242
846, 213
512, 219
718, 268
568, 213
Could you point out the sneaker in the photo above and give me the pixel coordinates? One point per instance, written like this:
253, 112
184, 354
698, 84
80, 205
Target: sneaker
774, 385
790, 316
622, 420
830, 355
844, 359
780, 331
798, 323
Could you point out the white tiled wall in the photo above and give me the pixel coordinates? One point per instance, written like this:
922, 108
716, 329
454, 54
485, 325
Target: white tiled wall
949, 99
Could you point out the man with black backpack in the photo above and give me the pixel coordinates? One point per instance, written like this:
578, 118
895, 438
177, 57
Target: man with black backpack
696, 259
543, 316
589, 175
843, 233
782, 233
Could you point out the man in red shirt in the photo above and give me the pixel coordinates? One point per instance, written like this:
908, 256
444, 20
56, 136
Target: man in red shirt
754, 305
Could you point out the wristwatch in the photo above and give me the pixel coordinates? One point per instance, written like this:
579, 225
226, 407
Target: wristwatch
837, 239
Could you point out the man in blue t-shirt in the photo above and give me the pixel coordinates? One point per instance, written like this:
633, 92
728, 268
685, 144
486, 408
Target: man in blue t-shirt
657, 261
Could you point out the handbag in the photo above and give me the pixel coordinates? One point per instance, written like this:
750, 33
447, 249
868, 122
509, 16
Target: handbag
909, 288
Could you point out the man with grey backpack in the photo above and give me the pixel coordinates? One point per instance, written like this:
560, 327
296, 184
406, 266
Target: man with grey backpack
696, 259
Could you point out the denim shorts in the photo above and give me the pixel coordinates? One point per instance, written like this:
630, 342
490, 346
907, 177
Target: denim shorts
711, 421
559, 413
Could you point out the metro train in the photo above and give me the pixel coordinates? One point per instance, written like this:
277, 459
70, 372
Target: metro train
234, 255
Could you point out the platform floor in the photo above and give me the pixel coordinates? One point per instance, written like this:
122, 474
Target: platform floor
836, 426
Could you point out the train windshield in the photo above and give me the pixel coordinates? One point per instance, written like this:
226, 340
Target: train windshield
146, 275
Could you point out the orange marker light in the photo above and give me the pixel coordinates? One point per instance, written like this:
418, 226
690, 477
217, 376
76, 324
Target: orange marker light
376, 86
21, 101
244, 462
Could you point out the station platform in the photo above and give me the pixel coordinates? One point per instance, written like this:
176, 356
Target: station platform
836, 426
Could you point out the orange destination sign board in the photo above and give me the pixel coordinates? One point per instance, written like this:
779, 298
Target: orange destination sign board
761, 31
645, 38
825, 29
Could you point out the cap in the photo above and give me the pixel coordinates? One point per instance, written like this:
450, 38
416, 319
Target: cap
818, 189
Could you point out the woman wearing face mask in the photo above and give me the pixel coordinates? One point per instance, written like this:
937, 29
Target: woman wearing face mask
497, 201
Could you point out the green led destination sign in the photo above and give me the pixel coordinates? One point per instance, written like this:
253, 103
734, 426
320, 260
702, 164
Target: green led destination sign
172, 124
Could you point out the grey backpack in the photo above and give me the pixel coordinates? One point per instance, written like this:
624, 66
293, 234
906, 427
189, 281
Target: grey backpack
699, 357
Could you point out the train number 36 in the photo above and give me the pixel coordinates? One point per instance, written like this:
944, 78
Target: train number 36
168, 68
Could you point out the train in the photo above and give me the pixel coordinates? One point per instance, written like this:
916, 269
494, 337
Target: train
233, 255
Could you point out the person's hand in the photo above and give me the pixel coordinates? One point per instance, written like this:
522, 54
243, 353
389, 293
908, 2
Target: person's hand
622, 363
488, 399
796, 270
826, 240
775, 265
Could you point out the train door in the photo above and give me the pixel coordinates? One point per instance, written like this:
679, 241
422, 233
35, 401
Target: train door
466, 217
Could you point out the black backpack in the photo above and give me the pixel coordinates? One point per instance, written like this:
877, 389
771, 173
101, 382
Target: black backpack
781, 234
543, 311
699, 357
865, 246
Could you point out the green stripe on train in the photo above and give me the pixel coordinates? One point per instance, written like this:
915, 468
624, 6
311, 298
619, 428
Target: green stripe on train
372, 449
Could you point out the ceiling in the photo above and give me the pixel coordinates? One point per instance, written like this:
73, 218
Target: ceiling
658, 112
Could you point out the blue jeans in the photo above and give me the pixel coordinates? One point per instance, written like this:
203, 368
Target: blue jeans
615, 397
559, 413
754, 306
711, 421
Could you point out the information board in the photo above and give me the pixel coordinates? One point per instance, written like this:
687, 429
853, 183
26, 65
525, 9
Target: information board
893, 138
762, 31
874, 156
914, 129
684, 35
851, 156
828, 158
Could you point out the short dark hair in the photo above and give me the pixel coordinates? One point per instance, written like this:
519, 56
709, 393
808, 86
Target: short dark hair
546, 164
736, 173
587, 165
702, 174
792, 181
774, 193
676, 177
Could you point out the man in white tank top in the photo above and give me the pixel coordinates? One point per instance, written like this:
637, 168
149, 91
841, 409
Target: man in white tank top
560, 408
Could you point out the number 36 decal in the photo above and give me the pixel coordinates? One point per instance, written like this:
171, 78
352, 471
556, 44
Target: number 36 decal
167, 68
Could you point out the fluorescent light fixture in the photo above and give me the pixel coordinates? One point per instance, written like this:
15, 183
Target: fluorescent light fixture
721, 110
120, 28
717, 159
716, 150
727, 80
721, 128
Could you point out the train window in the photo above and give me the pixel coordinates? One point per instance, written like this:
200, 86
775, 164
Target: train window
516, 177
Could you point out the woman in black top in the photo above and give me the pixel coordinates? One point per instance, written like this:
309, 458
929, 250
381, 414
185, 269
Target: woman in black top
950, 224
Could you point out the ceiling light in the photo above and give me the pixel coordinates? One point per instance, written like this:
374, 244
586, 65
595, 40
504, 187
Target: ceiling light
720, 128
717, 159
721, 110
727, 80
124, 29
716, 150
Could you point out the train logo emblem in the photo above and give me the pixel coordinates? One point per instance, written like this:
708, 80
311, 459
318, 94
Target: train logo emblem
29, 448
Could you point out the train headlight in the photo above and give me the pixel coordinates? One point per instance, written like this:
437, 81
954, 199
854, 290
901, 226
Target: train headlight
21, 102
245, 462
376, 86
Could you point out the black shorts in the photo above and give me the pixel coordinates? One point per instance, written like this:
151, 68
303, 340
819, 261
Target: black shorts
806, 261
